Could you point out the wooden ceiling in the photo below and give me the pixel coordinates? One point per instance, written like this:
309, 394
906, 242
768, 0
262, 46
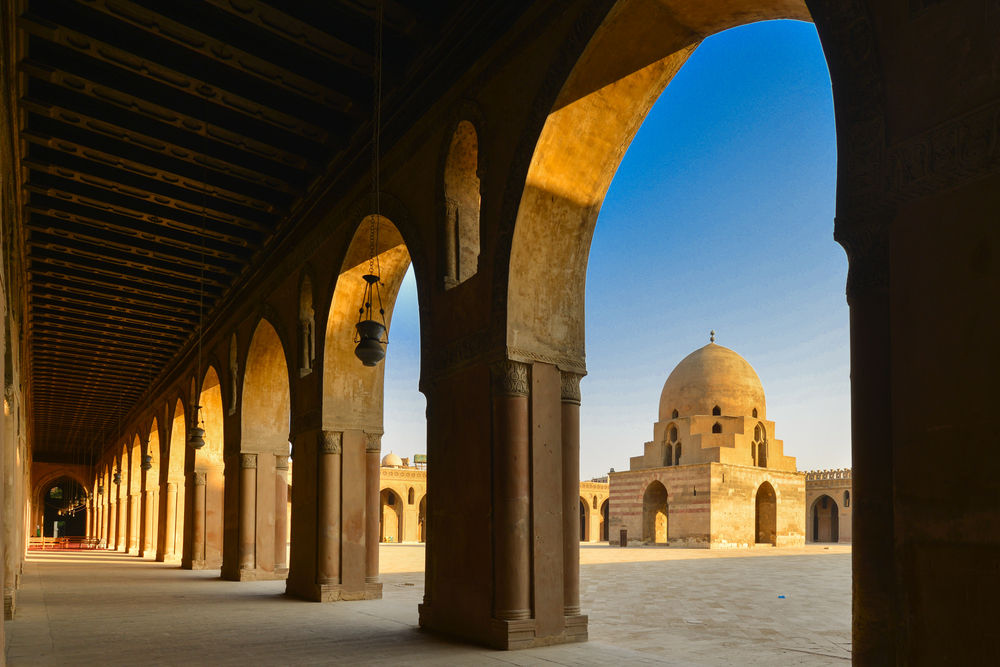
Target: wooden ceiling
167, 145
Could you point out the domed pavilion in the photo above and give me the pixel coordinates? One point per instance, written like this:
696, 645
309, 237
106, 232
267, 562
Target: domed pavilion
713, 475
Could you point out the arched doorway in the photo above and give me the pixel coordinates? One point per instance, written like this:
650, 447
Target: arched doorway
390, 516
825, 517
422, 520
150, 500
604, 520
655, 514
765, 515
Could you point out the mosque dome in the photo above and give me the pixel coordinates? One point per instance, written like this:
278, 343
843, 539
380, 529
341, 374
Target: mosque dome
710, 377
390, 460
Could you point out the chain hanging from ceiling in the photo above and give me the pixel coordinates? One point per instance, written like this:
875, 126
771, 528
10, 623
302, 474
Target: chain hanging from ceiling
371, 326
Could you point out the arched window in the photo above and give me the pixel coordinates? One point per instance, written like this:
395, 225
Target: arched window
677, 454
847, 498
716, 411
595, 502
756, 433
762, 455
754, 412
669, 457
716, 427
673, 434
390, 498
410, 498
675, 415
461, 199
56, 493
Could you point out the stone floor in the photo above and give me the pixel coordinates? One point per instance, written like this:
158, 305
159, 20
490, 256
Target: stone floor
647, 606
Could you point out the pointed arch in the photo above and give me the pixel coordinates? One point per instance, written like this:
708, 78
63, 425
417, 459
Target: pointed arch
655, 514
766, 515
266, 393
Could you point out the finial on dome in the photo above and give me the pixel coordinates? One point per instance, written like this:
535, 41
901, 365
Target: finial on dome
713, 337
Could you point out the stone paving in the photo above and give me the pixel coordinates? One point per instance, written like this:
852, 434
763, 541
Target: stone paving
647, 606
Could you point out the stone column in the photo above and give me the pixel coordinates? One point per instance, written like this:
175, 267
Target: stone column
570, 394
872, 553
248, 511
171, 521
198, 519
373, 473
147, 523
280, 512
133, 528
121, 521
330, 451
512, 491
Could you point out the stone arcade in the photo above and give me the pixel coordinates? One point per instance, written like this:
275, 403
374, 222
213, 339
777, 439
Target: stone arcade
184, 201
714, 475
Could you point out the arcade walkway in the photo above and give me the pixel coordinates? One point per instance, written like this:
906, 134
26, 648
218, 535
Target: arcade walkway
648, 607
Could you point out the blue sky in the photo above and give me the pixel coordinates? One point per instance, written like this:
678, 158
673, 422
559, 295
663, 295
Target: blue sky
722, 210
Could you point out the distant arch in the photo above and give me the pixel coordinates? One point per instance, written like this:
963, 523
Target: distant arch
765, 515
825, 518
655, 514
604, 520
266, 393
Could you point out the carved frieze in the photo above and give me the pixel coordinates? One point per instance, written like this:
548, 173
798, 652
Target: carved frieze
509, 379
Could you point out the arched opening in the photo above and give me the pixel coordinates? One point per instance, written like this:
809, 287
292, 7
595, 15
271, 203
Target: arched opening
716, 412
259, 487
120, 511
716, 427
134, 507
677, 454
171, 542
205, 484
149, 502
825, 517
409, 496
422, 520
348, 482
390, 517
765, 515
674, 414
668, 458
462, 203
584, 516
63, 507
847, 498
655, 514
673, 433
604, 520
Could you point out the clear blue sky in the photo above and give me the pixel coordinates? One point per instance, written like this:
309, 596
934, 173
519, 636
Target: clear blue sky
723, 207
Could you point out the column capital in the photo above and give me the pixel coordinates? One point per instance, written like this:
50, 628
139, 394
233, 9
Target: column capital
281, 461
509, 379
570, 387
373, 444
200, 479
331, 442
248, 461
866, 243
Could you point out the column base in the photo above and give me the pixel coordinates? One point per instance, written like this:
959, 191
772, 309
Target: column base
9, 605
134, 551
516, 635
147, 553
336, 593
257, 574
168, 558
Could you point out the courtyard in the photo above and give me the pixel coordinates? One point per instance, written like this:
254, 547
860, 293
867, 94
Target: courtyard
647, 606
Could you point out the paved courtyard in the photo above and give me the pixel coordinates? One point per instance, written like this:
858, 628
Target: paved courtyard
647, 606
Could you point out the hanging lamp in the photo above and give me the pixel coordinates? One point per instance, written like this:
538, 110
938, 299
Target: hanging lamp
371, 326
196, 434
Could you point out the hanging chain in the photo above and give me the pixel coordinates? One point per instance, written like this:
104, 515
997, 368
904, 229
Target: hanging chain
376, 123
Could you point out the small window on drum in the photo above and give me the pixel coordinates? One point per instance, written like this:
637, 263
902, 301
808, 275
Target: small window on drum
675, 415
673, 434
754, 412
716, 427
716, 411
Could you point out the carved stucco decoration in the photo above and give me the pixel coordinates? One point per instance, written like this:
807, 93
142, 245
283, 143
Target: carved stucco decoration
509, 379
331, 442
